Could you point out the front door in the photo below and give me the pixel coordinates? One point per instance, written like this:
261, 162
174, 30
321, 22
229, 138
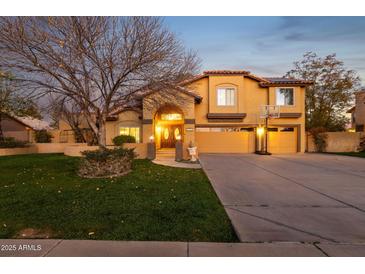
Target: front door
169, 135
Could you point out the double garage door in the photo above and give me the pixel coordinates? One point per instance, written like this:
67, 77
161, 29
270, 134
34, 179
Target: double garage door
280, 141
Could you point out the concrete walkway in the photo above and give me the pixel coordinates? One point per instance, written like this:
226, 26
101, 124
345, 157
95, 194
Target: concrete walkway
89, 248
165, 161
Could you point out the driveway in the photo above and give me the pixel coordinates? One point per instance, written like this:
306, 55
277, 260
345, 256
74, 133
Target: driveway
293, 198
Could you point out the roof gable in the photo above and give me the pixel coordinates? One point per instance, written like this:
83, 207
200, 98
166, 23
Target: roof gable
263, 81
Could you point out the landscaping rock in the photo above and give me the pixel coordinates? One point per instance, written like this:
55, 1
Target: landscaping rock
106, 163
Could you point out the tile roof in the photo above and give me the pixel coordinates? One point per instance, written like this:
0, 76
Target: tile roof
225, 72
33, 123
264, 81
284, 80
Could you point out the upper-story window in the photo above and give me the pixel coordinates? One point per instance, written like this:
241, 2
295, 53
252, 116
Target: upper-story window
285, 96
226, 96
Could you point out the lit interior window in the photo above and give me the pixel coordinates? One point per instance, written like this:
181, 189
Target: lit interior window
131, 131
171, 117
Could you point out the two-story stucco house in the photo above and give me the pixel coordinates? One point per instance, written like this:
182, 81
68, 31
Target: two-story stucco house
219, 112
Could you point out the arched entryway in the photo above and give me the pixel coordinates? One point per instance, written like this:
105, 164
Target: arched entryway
168, 126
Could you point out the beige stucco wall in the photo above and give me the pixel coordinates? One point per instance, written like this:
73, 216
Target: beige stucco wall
67, 149
17, 151
248, 94
129, 118
360, 108
50, 147
250, 97
75, 150
338, 142
183, 101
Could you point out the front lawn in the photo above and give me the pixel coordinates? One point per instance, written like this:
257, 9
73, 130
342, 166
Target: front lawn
355, 154
41, 196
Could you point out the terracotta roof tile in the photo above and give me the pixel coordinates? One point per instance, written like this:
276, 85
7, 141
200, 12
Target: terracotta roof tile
264, 81
225, 72
274, 81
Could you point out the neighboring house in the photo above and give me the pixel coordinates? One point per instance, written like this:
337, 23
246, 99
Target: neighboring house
219, 112
22, 128
358, 112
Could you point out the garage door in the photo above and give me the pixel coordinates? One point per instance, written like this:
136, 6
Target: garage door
284, 140
225, 142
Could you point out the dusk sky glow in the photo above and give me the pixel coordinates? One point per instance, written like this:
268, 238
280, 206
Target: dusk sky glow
268, 46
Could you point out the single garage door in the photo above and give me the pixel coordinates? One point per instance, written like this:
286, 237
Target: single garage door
225, 142
283, 140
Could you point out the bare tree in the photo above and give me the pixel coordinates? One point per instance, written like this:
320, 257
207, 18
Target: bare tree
331, 93
12, 102
64, 109
99, 63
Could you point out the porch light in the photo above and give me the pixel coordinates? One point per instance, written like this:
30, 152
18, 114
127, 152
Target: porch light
152, 138
260, 131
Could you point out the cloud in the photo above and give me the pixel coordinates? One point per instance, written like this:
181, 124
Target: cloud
294, 36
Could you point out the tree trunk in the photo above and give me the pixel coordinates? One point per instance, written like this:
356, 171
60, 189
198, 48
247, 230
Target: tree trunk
1, 129
102, 132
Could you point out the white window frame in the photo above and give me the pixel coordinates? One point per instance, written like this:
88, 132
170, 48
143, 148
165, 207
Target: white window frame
276, 96
232, 104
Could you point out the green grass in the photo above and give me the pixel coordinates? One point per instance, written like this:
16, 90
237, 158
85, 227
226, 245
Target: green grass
151, 203
354, 154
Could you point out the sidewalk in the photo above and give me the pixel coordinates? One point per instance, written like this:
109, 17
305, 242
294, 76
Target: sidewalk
90, 248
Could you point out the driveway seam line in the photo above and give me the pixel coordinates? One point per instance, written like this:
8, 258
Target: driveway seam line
321, 250
53, 247
284, 225
304, 186
326, 168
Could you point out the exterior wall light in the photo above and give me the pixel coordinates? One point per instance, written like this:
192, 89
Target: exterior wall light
260, 131
152, 138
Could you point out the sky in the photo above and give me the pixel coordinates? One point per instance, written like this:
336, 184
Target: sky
268, 46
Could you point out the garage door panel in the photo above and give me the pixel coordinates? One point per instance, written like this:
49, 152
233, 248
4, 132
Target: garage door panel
225, 142
283, 142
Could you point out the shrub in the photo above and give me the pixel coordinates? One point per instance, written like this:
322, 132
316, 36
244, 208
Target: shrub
362, 144
319, 138
10, 142
104, 154
42, 136
121, 139
106, 162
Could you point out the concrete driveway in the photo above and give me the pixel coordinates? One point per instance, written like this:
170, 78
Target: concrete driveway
293, 198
